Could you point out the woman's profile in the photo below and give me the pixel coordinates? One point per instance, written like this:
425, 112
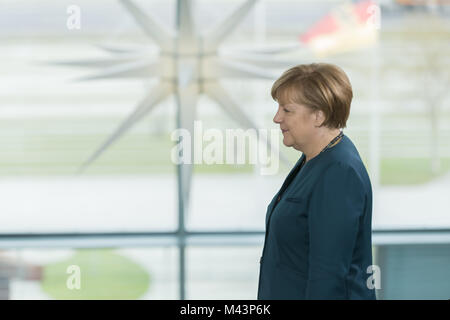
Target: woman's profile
318, 226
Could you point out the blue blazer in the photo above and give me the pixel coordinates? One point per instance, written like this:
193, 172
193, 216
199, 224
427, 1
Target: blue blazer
318, 241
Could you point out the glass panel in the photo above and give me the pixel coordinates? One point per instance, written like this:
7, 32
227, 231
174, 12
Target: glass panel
223, 272
128, 273
414, 271
51, 125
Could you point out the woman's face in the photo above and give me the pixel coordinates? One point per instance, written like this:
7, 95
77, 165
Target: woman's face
297, 123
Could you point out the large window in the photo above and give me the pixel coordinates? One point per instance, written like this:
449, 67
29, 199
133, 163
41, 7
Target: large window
120, 216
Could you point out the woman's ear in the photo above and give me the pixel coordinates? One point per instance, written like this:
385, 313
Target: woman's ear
319, 118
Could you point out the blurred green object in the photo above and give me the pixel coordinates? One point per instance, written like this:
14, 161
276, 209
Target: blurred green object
410, 171
104, 275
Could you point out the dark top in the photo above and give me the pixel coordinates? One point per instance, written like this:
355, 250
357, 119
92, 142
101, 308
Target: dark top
318, 241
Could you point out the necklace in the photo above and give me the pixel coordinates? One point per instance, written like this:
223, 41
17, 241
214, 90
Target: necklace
333, 141
340, 135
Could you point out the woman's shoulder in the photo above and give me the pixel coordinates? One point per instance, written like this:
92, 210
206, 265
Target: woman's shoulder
350, 169
346, 156
342, 176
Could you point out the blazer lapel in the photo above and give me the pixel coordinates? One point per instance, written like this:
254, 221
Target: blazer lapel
291, 176
284, 186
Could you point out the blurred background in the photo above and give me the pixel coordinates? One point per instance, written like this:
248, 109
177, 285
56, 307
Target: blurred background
119, 220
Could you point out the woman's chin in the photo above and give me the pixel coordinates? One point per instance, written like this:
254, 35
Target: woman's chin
287, 143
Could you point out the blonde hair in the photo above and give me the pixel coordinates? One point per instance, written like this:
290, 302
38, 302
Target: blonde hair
318, 86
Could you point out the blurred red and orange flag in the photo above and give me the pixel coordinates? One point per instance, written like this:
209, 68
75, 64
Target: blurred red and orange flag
346, 28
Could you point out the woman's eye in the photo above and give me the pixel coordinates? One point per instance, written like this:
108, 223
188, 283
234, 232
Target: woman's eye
285, 110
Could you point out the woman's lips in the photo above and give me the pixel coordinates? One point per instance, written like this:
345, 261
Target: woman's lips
283, 131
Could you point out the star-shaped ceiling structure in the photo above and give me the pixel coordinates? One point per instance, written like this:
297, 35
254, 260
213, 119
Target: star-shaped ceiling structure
188, 64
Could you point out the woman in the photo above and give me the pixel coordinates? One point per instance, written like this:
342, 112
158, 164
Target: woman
318, 226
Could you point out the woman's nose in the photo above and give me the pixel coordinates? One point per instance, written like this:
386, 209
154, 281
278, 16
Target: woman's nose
277, 118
